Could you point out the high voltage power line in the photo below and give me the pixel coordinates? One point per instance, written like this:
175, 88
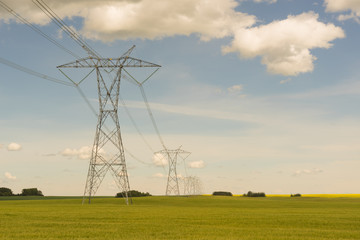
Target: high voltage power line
53, 16
62, 25
36, 29
107, 63
34, 73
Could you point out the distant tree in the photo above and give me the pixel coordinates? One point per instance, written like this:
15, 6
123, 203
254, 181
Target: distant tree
31, 192
295, 195
221, 193
5, 191
254, 194
133, 193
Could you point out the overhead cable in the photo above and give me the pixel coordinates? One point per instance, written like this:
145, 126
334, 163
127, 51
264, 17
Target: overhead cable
36, 29
34, 73
68, 30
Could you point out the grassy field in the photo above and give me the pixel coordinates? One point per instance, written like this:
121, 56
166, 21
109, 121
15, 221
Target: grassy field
182, 218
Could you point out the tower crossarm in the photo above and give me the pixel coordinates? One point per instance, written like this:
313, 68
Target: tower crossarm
91, 62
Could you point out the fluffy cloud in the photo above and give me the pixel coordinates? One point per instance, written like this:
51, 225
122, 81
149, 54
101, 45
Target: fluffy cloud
344, 5
307, 172
14, 147
285, 45
9, 176
127, 19
81, 153
196, 164
162, 18
159, 159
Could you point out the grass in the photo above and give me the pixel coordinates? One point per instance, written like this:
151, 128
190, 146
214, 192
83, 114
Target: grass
204, 217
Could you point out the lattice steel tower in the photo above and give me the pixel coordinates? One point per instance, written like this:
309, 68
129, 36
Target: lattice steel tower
171, 156
108, 151
192, 185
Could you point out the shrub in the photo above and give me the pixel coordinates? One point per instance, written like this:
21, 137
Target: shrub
220, 193
6, 192
254, 194
295, 195
133, 193
31, 192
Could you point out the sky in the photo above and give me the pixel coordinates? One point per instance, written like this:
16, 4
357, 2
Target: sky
263, 93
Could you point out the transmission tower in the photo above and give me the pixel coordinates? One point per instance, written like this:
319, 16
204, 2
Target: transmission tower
172, 186
192, 185
108, 151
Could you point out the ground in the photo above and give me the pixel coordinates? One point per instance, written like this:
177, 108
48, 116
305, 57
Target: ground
202, 217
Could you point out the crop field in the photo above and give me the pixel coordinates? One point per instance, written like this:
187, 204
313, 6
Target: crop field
203, 217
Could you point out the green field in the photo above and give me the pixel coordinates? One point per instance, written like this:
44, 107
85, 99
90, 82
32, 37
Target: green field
181, 218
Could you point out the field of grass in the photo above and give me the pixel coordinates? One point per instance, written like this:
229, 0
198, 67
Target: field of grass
203, 217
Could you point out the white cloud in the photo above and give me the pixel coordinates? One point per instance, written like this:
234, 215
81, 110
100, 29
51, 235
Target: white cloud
9, 176
307, 172
344, 17
285, 45
81, 153
162, 18
344, 5
159, 159
150, 19
14, 147
285, 81
196, 164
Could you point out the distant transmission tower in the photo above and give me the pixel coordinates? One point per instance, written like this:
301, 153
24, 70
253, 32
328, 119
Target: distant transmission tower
192, 185
172, 186
108, 151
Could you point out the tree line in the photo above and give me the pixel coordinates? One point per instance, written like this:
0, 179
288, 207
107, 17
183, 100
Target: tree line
25, 192
248, 194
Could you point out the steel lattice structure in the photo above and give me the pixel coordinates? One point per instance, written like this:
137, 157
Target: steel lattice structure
192, 185
108, 151
172, 186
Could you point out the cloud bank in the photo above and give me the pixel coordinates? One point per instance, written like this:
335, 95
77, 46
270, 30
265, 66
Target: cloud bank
284, 46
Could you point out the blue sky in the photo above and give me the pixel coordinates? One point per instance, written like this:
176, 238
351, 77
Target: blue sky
262, 93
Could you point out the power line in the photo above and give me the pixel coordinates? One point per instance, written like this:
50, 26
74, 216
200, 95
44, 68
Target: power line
151, 115
52, 79
134, 123
140, 85
68, 30
34, 73
78, 88
36, 29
